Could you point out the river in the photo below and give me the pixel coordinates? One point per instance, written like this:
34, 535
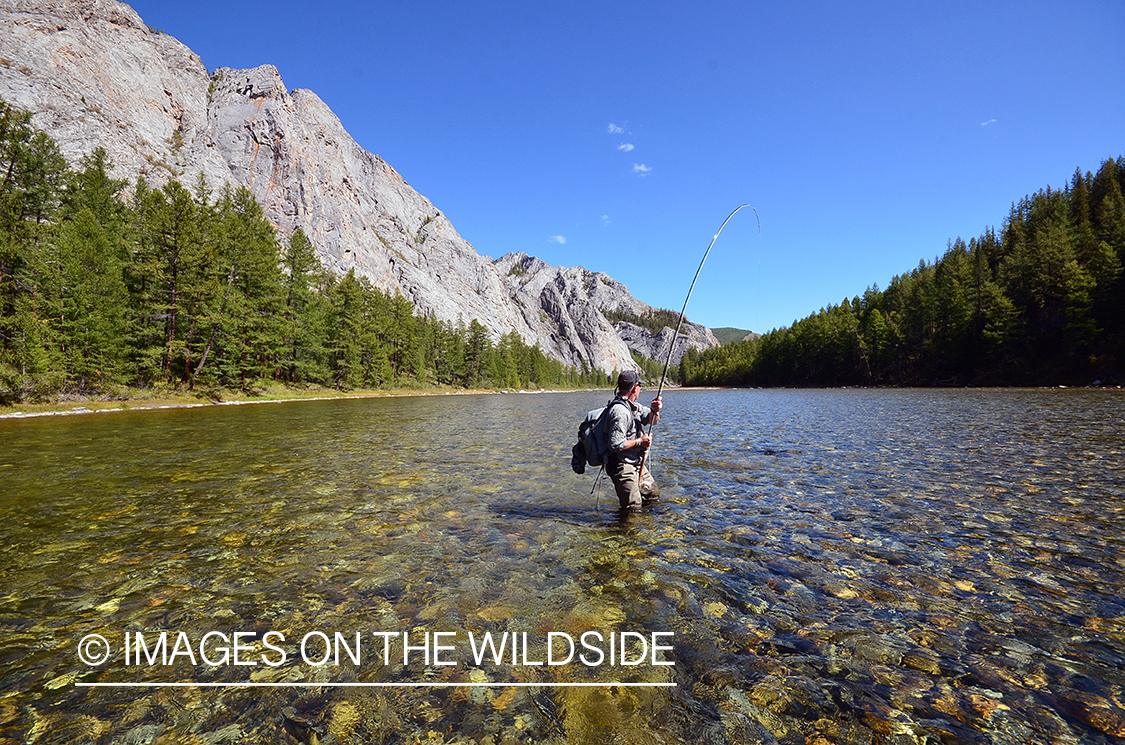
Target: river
825, 566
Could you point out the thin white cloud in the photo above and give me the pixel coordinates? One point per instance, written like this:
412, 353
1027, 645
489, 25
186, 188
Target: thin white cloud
615, 130
605, 220
641, 169
625, 147
990, 121
560, 239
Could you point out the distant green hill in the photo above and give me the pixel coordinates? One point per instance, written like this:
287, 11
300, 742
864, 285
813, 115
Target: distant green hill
726, 335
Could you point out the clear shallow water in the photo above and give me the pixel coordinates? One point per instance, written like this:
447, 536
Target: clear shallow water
836, 566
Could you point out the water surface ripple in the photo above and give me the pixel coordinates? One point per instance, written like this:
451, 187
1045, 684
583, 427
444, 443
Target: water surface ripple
838, 566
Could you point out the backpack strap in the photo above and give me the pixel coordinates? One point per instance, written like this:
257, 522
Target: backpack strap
605, 413
623, 402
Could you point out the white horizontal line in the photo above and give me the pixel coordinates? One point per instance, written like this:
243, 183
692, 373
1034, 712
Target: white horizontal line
193, 684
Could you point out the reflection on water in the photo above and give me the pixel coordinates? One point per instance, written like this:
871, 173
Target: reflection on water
837, 567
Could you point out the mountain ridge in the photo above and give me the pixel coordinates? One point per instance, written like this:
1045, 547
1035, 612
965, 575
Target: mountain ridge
92, 73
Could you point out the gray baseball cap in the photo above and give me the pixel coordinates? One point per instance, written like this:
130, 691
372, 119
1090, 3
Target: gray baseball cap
628, 379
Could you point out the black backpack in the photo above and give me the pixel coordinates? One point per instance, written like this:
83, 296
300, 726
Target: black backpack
593, 444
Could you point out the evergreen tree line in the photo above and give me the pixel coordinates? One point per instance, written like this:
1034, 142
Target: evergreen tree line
651, 369
174, 288
1040, 303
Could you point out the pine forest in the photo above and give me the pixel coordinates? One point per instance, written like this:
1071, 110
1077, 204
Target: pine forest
1042, 302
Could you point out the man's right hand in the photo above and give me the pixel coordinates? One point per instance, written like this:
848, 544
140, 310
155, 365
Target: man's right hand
644, 441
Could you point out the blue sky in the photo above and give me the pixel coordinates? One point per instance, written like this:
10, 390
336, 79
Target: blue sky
619, 136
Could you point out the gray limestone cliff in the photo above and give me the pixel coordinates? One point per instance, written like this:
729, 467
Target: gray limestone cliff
572, 302
93, 74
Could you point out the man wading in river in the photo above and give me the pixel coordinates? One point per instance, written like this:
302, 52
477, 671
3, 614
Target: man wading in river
628, 443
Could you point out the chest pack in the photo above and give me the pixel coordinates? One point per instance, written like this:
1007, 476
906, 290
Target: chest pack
592, 447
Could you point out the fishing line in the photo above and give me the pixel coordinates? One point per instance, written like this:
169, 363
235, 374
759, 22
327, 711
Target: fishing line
676, 336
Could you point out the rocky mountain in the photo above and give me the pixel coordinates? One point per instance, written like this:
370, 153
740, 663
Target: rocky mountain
93, 74
567, 303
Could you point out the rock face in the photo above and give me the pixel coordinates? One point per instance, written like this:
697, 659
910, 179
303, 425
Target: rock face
565, 306
93, 74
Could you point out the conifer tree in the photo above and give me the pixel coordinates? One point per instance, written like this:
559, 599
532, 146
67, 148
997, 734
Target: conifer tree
31, 178
91, 304
1081, 217
401, 339
92, 188
344, 340
168, 277
1111, 220
304, 321
476, 354
1080, 329
250, 308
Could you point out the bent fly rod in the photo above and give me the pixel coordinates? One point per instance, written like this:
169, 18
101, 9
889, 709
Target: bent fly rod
680, 323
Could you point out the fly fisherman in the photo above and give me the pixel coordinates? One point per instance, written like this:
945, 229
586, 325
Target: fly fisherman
628, 443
